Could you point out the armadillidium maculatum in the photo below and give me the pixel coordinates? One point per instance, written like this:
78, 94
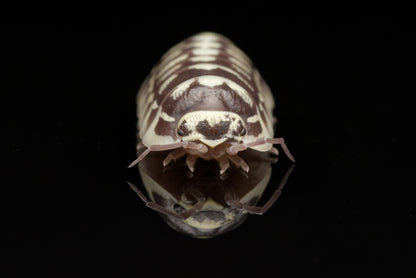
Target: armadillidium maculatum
205, 99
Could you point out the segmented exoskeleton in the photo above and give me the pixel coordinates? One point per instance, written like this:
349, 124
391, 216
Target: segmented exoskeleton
205, 99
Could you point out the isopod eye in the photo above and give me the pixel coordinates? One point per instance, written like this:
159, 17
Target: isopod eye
181, 132
243, 132
182, 129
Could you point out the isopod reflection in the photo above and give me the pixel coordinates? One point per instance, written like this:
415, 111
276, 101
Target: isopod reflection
204, 204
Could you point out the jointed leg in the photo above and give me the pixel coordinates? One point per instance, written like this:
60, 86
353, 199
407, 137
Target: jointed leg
224, 164
187, 145
163, 210
239, 162
233, 150
190, 161
153, 205
279, 141
233, 201
174, 155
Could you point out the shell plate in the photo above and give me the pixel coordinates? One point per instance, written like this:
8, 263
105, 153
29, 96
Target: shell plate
205, 73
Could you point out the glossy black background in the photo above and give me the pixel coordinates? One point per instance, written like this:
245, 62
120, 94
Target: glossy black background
342, 88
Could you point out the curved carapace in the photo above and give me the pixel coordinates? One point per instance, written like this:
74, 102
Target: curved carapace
205, 99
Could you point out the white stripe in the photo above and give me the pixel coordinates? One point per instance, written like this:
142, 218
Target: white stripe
169, 72
236, 52
206, 66
154, 105
206, 36
172, 53
176, 60
205, 44
166, 83
205, 51
241, 71
149, 136
266, 132
166, 117
242, 65
149, 98
253, 119
203, 58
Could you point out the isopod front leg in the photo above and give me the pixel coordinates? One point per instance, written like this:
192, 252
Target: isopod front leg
190, 161
154, 205
279, 141
174, 155
233, 201
239, 162
224, 164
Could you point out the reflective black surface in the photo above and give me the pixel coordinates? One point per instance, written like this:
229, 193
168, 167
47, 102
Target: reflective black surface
341, 86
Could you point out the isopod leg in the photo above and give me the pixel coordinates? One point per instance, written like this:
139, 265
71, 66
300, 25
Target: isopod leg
224, 164
190, 162
233, 201
140, 157
187, 145
153, 205
234, 149
279, 141
174, 155
163, 210
239, 162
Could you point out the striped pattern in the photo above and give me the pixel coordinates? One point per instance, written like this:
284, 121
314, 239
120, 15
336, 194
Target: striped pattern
206, 72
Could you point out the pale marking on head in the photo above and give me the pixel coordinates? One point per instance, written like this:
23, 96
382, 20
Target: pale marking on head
213, 118
211, 81
166, 117
205, 51
166, 83
207, 66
